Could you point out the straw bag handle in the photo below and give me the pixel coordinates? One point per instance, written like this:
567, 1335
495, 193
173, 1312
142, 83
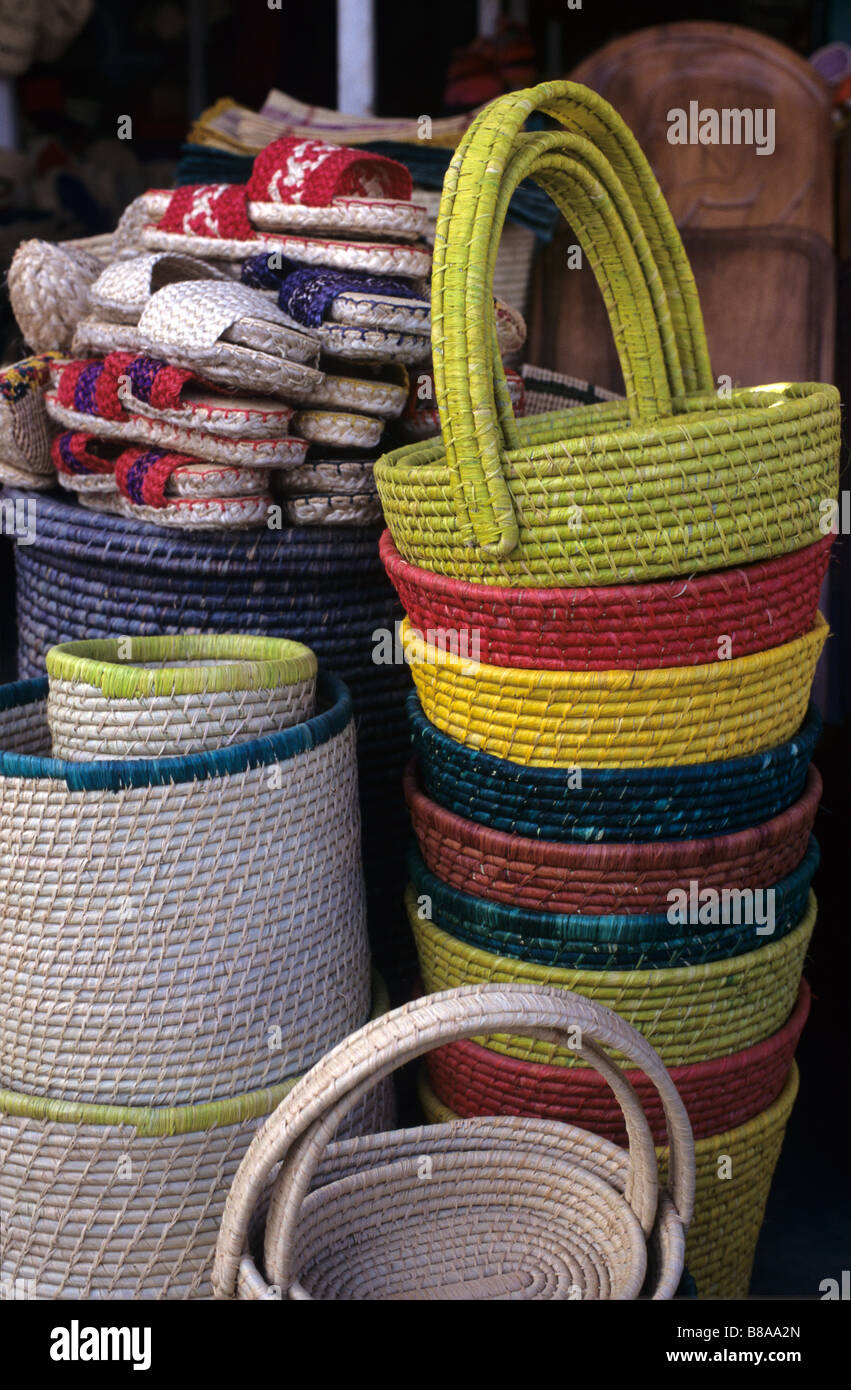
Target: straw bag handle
298, 1132
461, 289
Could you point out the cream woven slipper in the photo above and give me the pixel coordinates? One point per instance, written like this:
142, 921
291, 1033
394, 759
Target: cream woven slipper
227, 333
226, 514
335, 428
382, 396
378, 257
374, 344
378, 217
49, 286
332, 509
340, 477
124, 288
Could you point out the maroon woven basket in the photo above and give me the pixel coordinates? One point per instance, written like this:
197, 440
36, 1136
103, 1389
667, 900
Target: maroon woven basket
719, 1094
677, 622
604, 877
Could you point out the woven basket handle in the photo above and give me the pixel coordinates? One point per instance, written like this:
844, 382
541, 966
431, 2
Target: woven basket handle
461, 290
299, 1131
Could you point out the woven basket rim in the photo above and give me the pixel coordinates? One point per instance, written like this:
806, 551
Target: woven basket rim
703, 1071
777, 1112
601, 855
563, 928
440, 585
699, 773
725, 674
119, 774
243, 662
658, 978
160, 1121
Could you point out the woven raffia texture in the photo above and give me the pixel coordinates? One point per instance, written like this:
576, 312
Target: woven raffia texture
153, 697
176, 929
636, 877
24, 426
49, 288
720, 1093
618, 804
505, 1209
679, 622
728, 1211
676, 479
88, 576
688, 1014
615, 942
128, 1202
682, 714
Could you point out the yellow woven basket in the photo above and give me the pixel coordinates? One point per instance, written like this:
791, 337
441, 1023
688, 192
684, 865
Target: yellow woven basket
648, 718
676, 479
733, 1177
688, 1014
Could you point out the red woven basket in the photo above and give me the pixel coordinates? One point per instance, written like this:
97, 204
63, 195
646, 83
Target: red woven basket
605, 877
677, 622
719, 1094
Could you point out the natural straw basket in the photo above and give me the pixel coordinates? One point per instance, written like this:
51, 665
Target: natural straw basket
728, 1213
674, 480
49, 286
129, 1200
615, 942
518, 1208
618, 804
675, 622
688, 1014
151, 697
680, 714
178, 928
551, 876
719, 1094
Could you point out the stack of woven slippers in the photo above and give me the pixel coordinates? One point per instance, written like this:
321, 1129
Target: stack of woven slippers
613, 628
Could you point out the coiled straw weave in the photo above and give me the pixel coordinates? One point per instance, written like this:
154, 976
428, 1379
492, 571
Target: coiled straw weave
674, 480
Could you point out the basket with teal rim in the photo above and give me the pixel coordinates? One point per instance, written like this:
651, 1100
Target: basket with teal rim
678, 478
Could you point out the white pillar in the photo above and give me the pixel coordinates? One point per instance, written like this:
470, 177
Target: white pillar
356, 57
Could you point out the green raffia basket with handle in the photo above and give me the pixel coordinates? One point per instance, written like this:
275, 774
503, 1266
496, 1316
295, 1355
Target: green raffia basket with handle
677, 478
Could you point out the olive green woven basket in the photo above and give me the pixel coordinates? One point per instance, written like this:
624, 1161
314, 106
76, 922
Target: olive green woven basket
679, 477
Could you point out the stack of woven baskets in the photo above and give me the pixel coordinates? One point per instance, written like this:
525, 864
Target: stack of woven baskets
182, 933
613, 629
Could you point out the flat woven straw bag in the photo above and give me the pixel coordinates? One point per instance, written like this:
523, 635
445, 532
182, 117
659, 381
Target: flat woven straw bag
678, 478
686, 621
688, 1014
720, 1093
473, 1210
177, 929
130, 1200
554, 876
651, 718
728, 1213
153, 697
620, 804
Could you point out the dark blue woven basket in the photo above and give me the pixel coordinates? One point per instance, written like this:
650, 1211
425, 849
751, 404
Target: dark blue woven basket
639, 941
667, 803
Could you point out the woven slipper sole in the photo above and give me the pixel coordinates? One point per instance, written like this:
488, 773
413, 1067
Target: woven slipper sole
335, 476
240, 417
332, 509
139, 429
374, 344
124, 288
211, 514
330, 427
367, 397
360, 310
283, 344
375, 216
192, 480
381, 258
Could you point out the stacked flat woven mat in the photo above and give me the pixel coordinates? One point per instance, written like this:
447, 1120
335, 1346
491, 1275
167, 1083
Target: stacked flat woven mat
181, 935
613, 628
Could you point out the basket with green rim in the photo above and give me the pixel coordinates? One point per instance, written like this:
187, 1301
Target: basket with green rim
677, 478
